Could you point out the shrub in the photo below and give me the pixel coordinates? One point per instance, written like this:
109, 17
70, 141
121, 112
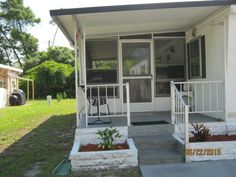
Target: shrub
108, 136
51, 77
59, 96
201, 132
64, 95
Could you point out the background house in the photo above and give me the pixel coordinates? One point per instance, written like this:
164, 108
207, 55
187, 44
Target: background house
8, 82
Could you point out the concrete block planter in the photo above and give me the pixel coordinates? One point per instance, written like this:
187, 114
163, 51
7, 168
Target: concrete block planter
97, 160
211, 150
218, 150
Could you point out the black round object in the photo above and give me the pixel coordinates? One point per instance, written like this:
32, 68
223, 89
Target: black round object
14, 101
17, 98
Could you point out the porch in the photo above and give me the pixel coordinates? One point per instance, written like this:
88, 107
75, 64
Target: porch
158, 118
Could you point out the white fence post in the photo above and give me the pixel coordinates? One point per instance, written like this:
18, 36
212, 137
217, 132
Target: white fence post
128, 103
186, 115
172, 102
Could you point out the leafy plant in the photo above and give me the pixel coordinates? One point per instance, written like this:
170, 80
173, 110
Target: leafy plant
108, 136
201, 132
64, 95
59, 96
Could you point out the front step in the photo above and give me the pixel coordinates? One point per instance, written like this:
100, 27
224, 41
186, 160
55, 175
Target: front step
158, 142
155, 144
147, 130
160, 157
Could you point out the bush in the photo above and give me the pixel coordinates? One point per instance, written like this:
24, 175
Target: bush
201, 132
59, 97
64, 95
51, 78
108, 136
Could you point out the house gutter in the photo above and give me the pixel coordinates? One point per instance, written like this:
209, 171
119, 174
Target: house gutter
102, 9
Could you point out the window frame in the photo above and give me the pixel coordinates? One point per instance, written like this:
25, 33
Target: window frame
117, 60
201, 51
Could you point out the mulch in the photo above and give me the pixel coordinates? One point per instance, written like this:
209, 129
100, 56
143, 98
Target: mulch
217, 138
97, 147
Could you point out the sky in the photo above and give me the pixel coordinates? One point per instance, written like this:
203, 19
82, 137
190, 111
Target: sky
45, 32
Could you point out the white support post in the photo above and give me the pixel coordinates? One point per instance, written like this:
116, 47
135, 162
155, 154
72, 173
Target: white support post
172, 102
128, 103
186, 115
28, 90
76, 71
85, 75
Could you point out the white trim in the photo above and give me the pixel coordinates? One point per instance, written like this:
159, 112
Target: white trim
147, 106
137, 77
135, 40
211, 18
168, 37
153, 81
10, 68
76, 71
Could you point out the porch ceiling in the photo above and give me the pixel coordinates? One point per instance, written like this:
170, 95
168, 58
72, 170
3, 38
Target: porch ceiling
114, 23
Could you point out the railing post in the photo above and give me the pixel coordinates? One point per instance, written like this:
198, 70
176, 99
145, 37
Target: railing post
172, 90
86, 106
186, 115
128, 103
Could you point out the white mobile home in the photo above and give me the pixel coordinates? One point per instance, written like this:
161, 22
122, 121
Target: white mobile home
178, 57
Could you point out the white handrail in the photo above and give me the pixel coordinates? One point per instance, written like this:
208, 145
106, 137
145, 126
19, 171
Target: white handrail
180, 113
202, 97
111, 99
198, 82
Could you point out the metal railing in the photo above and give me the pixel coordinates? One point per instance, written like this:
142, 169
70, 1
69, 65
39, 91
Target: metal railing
194, 97
179, 113
202, 96
107, 101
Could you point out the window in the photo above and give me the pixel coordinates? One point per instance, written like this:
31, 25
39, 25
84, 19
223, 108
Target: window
136, 59
169, 63
196, 58
13, 84
101, 61
1, 84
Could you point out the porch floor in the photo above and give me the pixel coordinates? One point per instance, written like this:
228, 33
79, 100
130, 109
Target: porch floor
144, 117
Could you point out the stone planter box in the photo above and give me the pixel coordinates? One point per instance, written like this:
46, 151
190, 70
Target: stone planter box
205, 151
208, 151
98, 160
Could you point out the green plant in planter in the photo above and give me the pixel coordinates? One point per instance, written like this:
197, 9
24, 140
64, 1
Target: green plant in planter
201, 132
108, 136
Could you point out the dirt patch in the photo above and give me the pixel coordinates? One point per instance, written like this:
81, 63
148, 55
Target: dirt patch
128, 172
97, 147
217, 138
34, 170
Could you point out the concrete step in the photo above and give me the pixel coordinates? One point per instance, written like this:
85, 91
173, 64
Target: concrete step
159, 157
148, 130
159, 142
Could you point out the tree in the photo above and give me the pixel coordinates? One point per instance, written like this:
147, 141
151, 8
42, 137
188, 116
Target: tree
51, 77
15, 42
58, 54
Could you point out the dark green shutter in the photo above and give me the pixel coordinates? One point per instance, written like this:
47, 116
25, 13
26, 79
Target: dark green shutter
188, 59
203, 56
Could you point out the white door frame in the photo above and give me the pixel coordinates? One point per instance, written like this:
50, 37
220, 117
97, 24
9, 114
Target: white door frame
138, 107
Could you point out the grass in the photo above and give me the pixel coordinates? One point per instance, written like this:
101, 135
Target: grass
34, 138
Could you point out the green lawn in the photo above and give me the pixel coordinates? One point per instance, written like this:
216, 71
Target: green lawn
35, 138
35, 135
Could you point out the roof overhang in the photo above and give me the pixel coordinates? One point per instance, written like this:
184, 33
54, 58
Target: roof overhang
10, 68
138, 18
